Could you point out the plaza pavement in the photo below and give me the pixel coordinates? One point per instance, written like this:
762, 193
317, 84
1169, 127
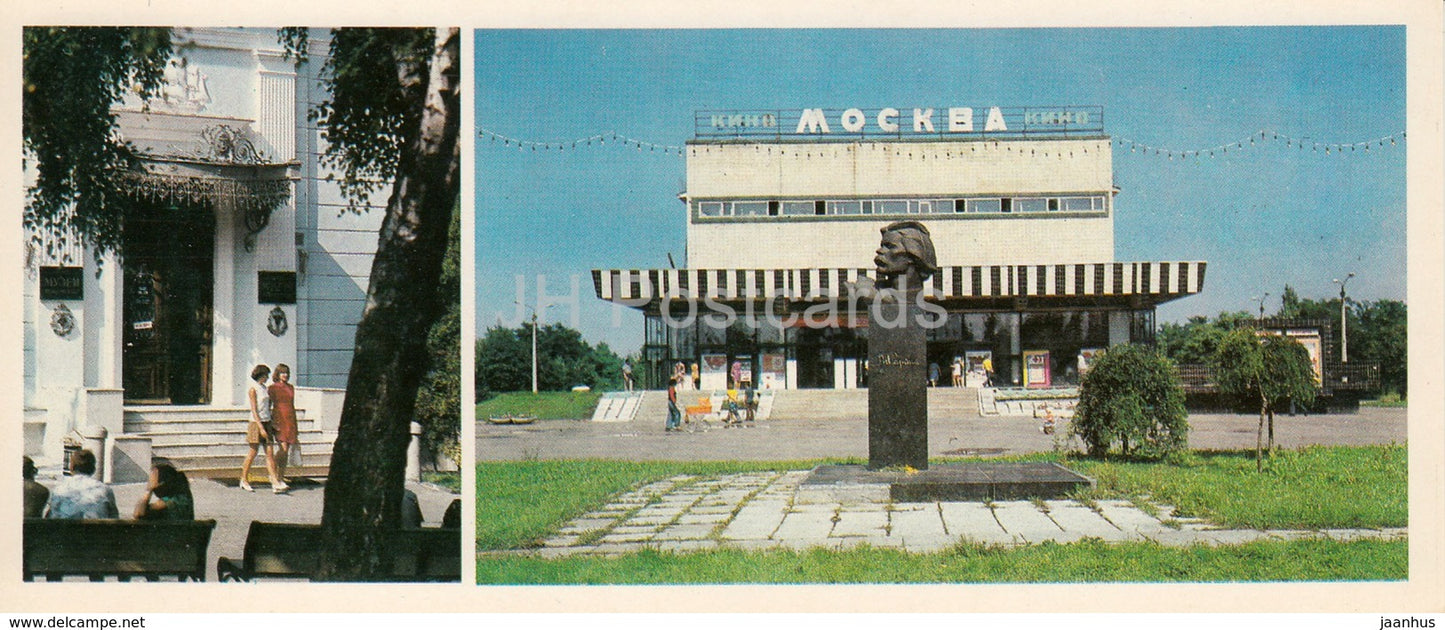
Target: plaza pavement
643, 439
768, 511
233, 509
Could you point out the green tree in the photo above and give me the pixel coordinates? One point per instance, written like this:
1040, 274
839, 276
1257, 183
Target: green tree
1380, 337
1195, 341
1132, 397
72, 78
1270, 369
565, 360
392, 115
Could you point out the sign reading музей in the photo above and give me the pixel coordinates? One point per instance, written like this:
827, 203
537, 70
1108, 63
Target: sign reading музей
891, 121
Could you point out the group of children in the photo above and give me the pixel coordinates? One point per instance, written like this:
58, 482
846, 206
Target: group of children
740, 405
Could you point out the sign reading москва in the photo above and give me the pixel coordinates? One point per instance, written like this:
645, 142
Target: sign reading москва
891, 121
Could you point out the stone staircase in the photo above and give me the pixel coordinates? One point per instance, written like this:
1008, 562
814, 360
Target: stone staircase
653, 405
820, 404
845, 404
211, 441
618, 406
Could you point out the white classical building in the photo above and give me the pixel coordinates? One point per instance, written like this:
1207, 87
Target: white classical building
784, 208
242, 254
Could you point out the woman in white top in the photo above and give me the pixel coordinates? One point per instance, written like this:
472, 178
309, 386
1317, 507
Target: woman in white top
259, 431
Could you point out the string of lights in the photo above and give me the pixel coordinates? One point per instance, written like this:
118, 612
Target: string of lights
1260, 137
579, 143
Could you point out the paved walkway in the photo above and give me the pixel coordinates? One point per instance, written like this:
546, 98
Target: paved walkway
968, 435
765, 510
233, 509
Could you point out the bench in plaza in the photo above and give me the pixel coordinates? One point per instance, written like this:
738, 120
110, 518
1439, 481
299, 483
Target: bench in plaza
57, 548
289, 550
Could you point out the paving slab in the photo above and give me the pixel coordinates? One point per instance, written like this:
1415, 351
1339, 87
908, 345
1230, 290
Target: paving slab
877, 542
1023, 519
805, 525
626, 537
685, 532
685, 546
974, 521
917, 523
860, 523
1129, 518
756, 521
587, 525
694, 518
1073, 516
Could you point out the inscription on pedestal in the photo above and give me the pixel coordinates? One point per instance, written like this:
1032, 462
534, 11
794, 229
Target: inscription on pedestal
897, 388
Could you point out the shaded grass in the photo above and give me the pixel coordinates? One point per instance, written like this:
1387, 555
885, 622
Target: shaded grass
452, 481
543, 405
1312, 488
1088, 561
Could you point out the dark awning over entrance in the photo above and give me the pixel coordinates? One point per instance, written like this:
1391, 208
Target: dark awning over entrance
1123, 284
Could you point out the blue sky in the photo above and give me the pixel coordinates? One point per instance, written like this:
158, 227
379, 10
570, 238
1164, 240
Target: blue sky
1263, 216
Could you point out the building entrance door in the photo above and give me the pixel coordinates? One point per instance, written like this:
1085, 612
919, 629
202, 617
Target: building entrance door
168, 251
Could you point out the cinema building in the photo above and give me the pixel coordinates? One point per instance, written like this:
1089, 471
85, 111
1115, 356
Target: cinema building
240, 254
784, 208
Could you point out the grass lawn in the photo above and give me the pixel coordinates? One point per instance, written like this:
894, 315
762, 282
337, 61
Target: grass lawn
521, 503
543, 405
1089, 561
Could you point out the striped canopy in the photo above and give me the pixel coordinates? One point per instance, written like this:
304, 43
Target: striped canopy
1140, 283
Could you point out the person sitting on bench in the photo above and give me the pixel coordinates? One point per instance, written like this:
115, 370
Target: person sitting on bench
81, 495
168, 495
36, 494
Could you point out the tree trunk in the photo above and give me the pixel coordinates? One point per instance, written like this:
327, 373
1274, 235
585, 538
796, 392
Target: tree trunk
1269, 445
1259, 436
364, 491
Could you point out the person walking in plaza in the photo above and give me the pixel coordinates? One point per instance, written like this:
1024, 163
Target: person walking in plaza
627, 374
958, 372
933, 374
168, 495
731, 404
259, 431
81, 495
36, 494
283, 417
988, 371
674, 415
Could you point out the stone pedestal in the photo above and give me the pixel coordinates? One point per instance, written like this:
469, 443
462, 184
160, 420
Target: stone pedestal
897, 386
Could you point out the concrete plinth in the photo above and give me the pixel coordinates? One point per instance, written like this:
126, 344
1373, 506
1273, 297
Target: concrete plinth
950, 482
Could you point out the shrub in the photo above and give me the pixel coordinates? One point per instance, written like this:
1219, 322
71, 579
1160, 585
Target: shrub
1132, 397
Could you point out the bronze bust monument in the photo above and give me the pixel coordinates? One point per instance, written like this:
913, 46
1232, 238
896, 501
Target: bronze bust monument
905, 260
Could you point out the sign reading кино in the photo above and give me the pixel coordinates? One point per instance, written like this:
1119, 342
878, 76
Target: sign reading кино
896, 122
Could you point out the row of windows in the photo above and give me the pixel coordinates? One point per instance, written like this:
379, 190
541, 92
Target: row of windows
981, 205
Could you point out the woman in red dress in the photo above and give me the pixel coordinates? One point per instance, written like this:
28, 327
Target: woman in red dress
283, 416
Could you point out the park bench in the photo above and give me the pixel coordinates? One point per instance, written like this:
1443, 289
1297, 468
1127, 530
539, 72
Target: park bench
289, 550
57, 548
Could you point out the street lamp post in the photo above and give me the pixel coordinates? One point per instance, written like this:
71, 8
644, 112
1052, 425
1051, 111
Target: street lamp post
534, 341
1261, 300
1344, 322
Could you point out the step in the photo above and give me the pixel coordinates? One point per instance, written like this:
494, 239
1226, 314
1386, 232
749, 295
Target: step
199, 412
234, 435
232, 462
195, 449
201, 424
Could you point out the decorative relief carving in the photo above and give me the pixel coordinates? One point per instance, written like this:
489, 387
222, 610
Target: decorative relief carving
185, 90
